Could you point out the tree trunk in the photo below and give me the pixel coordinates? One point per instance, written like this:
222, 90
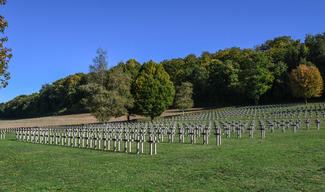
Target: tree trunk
183, 112
256, 102
306, 101
128, 118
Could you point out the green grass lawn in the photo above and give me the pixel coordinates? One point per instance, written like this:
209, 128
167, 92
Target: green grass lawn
281, 162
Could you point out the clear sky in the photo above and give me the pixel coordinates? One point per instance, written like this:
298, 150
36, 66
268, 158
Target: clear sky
52, 39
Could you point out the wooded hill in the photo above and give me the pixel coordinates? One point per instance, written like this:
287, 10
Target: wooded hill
232, 76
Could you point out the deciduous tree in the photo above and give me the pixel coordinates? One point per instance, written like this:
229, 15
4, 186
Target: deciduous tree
306, 82
131, 67
5, 54
152, 90
183, 97
316, 50
108, 91
258, 79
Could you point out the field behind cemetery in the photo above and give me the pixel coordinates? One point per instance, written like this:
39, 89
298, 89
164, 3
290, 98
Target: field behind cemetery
78, 119
280, 162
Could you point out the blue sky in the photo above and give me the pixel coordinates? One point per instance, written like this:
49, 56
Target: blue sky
52, 39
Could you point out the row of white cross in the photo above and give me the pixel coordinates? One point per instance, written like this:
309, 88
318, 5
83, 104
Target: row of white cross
102, 136
92, 139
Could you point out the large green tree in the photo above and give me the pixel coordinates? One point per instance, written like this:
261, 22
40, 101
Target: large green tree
176, 69
258, 78
183, 97
152, 90
316, 50
224, 81
118, 90
283, 49
131, 67
201, 78
286, 53
5, 54
97, 94
108, 91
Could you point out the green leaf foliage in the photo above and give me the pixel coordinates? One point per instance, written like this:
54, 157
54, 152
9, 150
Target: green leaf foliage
316, 50
61, 97
231, 76
110, 99
258, 78
183, 97
152, 90
131, 67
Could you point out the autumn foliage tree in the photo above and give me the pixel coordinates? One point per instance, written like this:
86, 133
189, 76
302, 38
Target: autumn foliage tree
5, 54
306, 82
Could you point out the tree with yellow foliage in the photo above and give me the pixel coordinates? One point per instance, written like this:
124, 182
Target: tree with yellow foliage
306, 82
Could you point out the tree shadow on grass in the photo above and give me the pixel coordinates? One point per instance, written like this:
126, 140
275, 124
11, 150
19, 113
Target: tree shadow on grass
321, 169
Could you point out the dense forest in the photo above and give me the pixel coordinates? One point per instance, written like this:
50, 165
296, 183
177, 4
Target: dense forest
232, 76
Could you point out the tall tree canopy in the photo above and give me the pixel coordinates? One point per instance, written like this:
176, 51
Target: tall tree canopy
316, 50
118, 92
258, 78
97, 99
61, 97
306, 82
231, 76
183, 97
108, 92
176, 69
131, 67
152, 90
5, 54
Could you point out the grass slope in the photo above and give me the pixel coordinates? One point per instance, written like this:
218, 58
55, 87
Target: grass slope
281, 162
77, 119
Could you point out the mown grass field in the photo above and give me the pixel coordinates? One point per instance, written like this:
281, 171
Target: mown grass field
281, 162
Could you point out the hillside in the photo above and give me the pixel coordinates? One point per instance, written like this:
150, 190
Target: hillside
75, 119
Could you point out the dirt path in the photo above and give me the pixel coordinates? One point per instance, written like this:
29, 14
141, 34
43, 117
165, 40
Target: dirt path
76, 119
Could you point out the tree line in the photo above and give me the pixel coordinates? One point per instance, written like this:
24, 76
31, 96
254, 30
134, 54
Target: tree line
231, 76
